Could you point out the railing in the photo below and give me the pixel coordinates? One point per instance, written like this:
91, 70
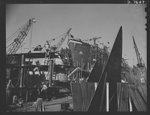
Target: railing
73, 72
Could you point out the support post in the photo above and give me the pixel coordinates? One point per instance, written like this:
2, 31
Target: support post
107, 96
21, 76
130, 105
95, 85
27, 96
51, 66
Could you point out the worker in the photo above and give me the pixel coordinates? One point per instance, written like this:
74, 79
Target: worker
38, 104
44, 91
15, 100
9, 92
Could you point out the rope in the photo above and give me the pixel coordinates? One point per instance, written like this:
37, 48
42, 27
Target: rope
10, 37
20, 38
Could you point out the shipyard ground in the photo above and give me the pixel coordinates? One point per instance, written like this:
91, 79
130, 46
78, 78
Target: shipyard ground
55, 105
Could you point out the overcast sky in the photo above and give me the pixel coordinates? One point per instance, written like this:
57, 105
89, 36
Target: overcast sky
86, 21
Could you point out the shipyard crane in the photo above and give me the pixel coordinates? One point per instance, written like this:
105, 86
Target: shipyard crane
13, 47
139, 59
55, 48
62, 40
58, 45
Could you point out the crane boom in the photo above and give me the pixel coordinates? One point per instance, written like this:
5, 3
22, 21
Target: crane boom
15, 45
139, 59
63, 39
58, 45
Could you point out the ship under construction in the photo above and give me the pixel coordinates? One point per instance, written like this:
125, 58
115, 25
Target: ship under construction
81, 77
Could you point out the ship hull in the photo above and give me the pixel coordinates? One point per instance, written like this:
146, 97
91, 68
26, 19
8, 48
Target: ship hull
80, 52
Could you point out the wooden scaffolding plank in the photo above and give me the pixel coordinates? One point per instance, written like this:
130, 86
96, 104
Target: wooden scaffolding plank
119, 95
77, 96
91, 91
125, 98
88, 90
84, 95
141, 101
137, 99
143, 91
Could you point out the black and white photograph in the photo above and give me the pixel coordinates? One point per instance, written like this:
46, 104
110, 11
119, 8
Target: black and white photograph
76, 57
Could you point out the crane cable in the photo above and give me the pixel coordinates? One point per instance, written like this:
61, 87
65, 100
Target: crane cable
11, 36
18, 30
